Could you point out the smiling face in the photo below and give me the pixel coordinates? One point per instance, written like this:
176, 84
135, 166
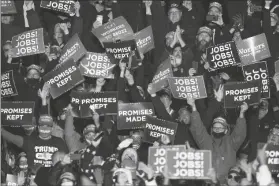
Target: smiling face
45, 131
174, 15
203, 41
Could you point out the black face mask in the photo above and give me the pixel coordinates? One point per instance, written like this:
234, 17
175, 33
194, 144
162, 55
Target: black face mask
33, 82
218, 135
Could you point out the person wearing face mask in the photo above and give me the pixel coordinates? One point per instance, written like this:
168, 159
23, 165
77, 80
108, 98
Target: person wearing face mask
220, 141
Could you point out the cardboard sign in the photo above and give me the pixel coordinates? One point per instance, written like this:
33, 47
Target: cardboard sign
238, 92
74, 49
17, 113
145, 40
272, 154
8, 7
276, 66
116, 29
156, 128
133, 115
59, 5
189, 164
160, 79
183, 87
157, 156
63, 78
258, 71
8, 87
223, 55
28, 43
253, 49
11, 180
96, 65
75, 95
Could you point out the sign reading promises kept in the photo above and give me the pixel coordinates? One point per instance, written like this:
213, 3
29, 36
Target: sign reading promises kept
188, 164
145, 40
59, 5
183, 87
272, 154
133, 115
28, 43
8, 7
8, 87
17, 113
223, 55
63, 78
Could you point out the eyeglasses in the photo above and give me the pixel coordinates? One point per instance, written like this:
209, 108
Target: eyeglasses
236, 178
219, 128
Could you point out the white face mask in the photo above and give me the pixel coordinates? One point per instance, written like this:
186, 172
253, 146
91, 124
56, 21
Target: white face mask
23, 166
68, 183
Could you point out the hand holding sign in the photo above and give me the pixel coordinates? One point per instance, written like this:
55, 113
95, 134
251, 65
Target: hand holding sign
262, 155
220, 93
243, 108
150, 90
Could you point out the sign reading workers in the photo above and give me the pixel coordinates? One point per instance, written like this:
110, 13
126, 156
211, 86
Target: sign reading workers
238, 92
8, 7
145, 40
272, 154
189, 164
116, 29
74, 49
253, 49
133, 115
17, 113
8, 87
63, 78
157, 156
96, 65
156, 128
28, 43
183, 87
59, 5
258, 71
223, 55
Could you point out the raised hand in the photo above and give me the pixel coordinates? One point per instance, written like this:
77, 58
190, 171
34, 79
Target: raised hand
244, 107
129, 77
150, 90
219, 94
44, 93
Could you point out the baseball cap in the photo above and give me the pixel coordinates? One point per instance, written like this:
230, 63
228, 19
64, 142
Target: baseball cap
205, 29
222, 121
46, 120
89, 128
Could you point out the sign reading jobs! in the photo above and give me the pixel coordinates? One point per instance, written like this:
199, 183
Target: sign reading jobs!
63, 78
17, 113
157, 156
133, 115
223, 55
8, 87
253, 49
189, 164
258, 71
183, 87
28, 43
8, 7
272, 154
67, 6
96, 65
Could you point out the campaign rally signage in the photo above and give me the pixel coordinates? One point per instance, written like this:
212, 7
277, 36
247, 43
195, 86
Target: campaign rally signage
116, 29
96, 65
238, 92
157, 156
67, 6
74, 49
17, 113
11, 180
189, 164
63, 78
160, 79
258, 71
253, 49
8, 87
28, 43
145, 40
223, 55
184, 87
272, 154
133, 115
75, 95
156, 128
8, 7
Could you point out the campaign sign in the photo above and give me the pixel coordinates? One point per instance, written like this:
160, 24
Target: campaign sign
189, 164
145, 40
75, 95
116, 29
133, 115
160, 79
96, 65
258, 71
157, 156
253, 49
183, 87
28, 43
8, 7
11, 180
272, 154
223, 55
17, 113
238, 92
67, 6
63, 78
74, 49
156, 128
8, 87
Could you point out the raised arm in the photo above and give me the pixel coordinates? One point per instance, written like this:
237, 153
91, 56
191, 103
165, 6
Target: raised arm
14, 139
